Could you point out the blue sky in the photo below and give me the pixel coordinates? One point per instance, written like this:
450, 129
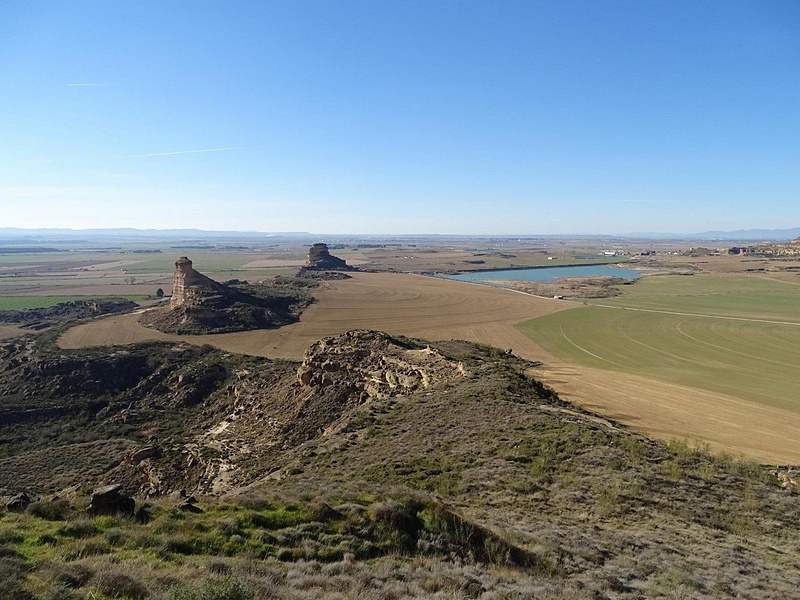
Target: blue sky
489, 117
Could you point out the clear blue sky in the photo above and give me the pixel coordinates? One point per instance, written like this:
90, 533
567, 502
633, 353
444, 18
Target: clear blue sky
401, 117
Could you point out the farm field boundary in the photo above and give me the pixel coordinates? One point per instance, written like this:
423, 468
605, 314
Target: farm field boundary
671, 411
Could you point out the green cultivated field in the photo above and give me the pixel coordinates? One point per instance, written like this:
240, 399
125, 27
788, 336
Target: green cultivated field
740, 296
721, 351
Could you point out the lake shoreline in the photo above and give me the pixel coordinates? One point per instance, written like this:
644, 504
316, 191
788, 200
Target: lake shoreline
549, 274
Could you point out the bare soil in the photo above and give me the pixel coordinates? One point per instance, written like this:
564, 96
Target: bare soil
9, 332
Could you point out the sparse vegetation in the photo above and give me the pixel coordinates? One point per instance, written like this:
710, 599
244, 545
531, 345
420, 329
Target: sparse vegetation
100, 555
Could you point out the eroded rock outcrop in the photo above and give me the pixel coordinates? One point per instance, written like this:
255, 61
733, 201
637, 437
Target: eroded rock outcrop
376, 363
66, 312
201, 305
320, 259
789, 249
190, 287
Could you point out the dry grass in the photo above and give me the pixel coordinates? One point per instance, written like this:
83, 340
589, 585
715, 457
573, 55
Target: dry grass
55, 468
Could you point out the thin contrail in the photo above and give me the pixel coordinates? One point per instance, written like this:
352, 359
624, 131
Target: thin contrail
85, 84
184, 152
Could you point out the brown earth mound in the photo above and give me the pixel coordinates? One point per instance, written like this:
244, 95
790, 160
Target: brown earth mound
65, 312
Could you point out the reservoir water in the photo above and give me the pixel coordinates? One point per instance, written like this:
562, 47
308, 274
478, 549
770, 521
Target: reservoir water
549, 273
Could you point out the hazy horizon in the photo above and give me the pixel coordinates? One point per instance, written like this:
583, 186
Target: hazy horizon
471, 118
166, 233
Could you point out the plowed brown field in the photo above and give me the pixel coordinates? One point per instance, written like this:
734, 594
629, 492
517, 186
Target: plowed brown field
441, 309
401, 304
669, 411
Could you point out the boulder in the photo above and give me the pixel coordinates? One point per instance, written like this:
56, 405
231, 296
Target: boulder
109, 500
17, 503
189, 507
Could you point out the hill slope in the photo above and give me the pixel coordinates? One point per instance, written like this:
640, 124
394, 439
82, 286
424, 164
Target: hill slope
448, 460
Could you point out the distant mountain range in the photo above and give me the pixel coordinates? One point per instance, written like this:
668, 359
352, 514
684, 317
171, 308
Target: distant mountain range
766, 235
131, 232
26, 236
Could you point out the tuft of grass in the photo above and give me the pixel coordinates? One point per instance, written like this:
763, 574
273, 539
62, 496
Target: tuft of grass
228, 588
113, 582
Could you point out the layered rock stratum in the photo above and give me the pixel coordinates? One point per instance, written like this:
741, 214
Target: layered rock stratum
376, 364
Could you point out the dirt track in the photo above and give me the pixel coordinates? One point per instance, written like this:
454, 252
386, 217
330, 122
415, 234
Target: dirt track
440, 309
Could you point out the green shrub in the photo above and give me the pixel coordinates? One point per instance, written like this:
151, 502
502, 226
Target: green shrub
59, 591
70, 575
13, 570
51, 510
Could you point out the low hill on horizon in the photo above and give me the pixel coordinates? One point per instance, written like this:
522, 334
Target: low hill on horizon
13, 235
